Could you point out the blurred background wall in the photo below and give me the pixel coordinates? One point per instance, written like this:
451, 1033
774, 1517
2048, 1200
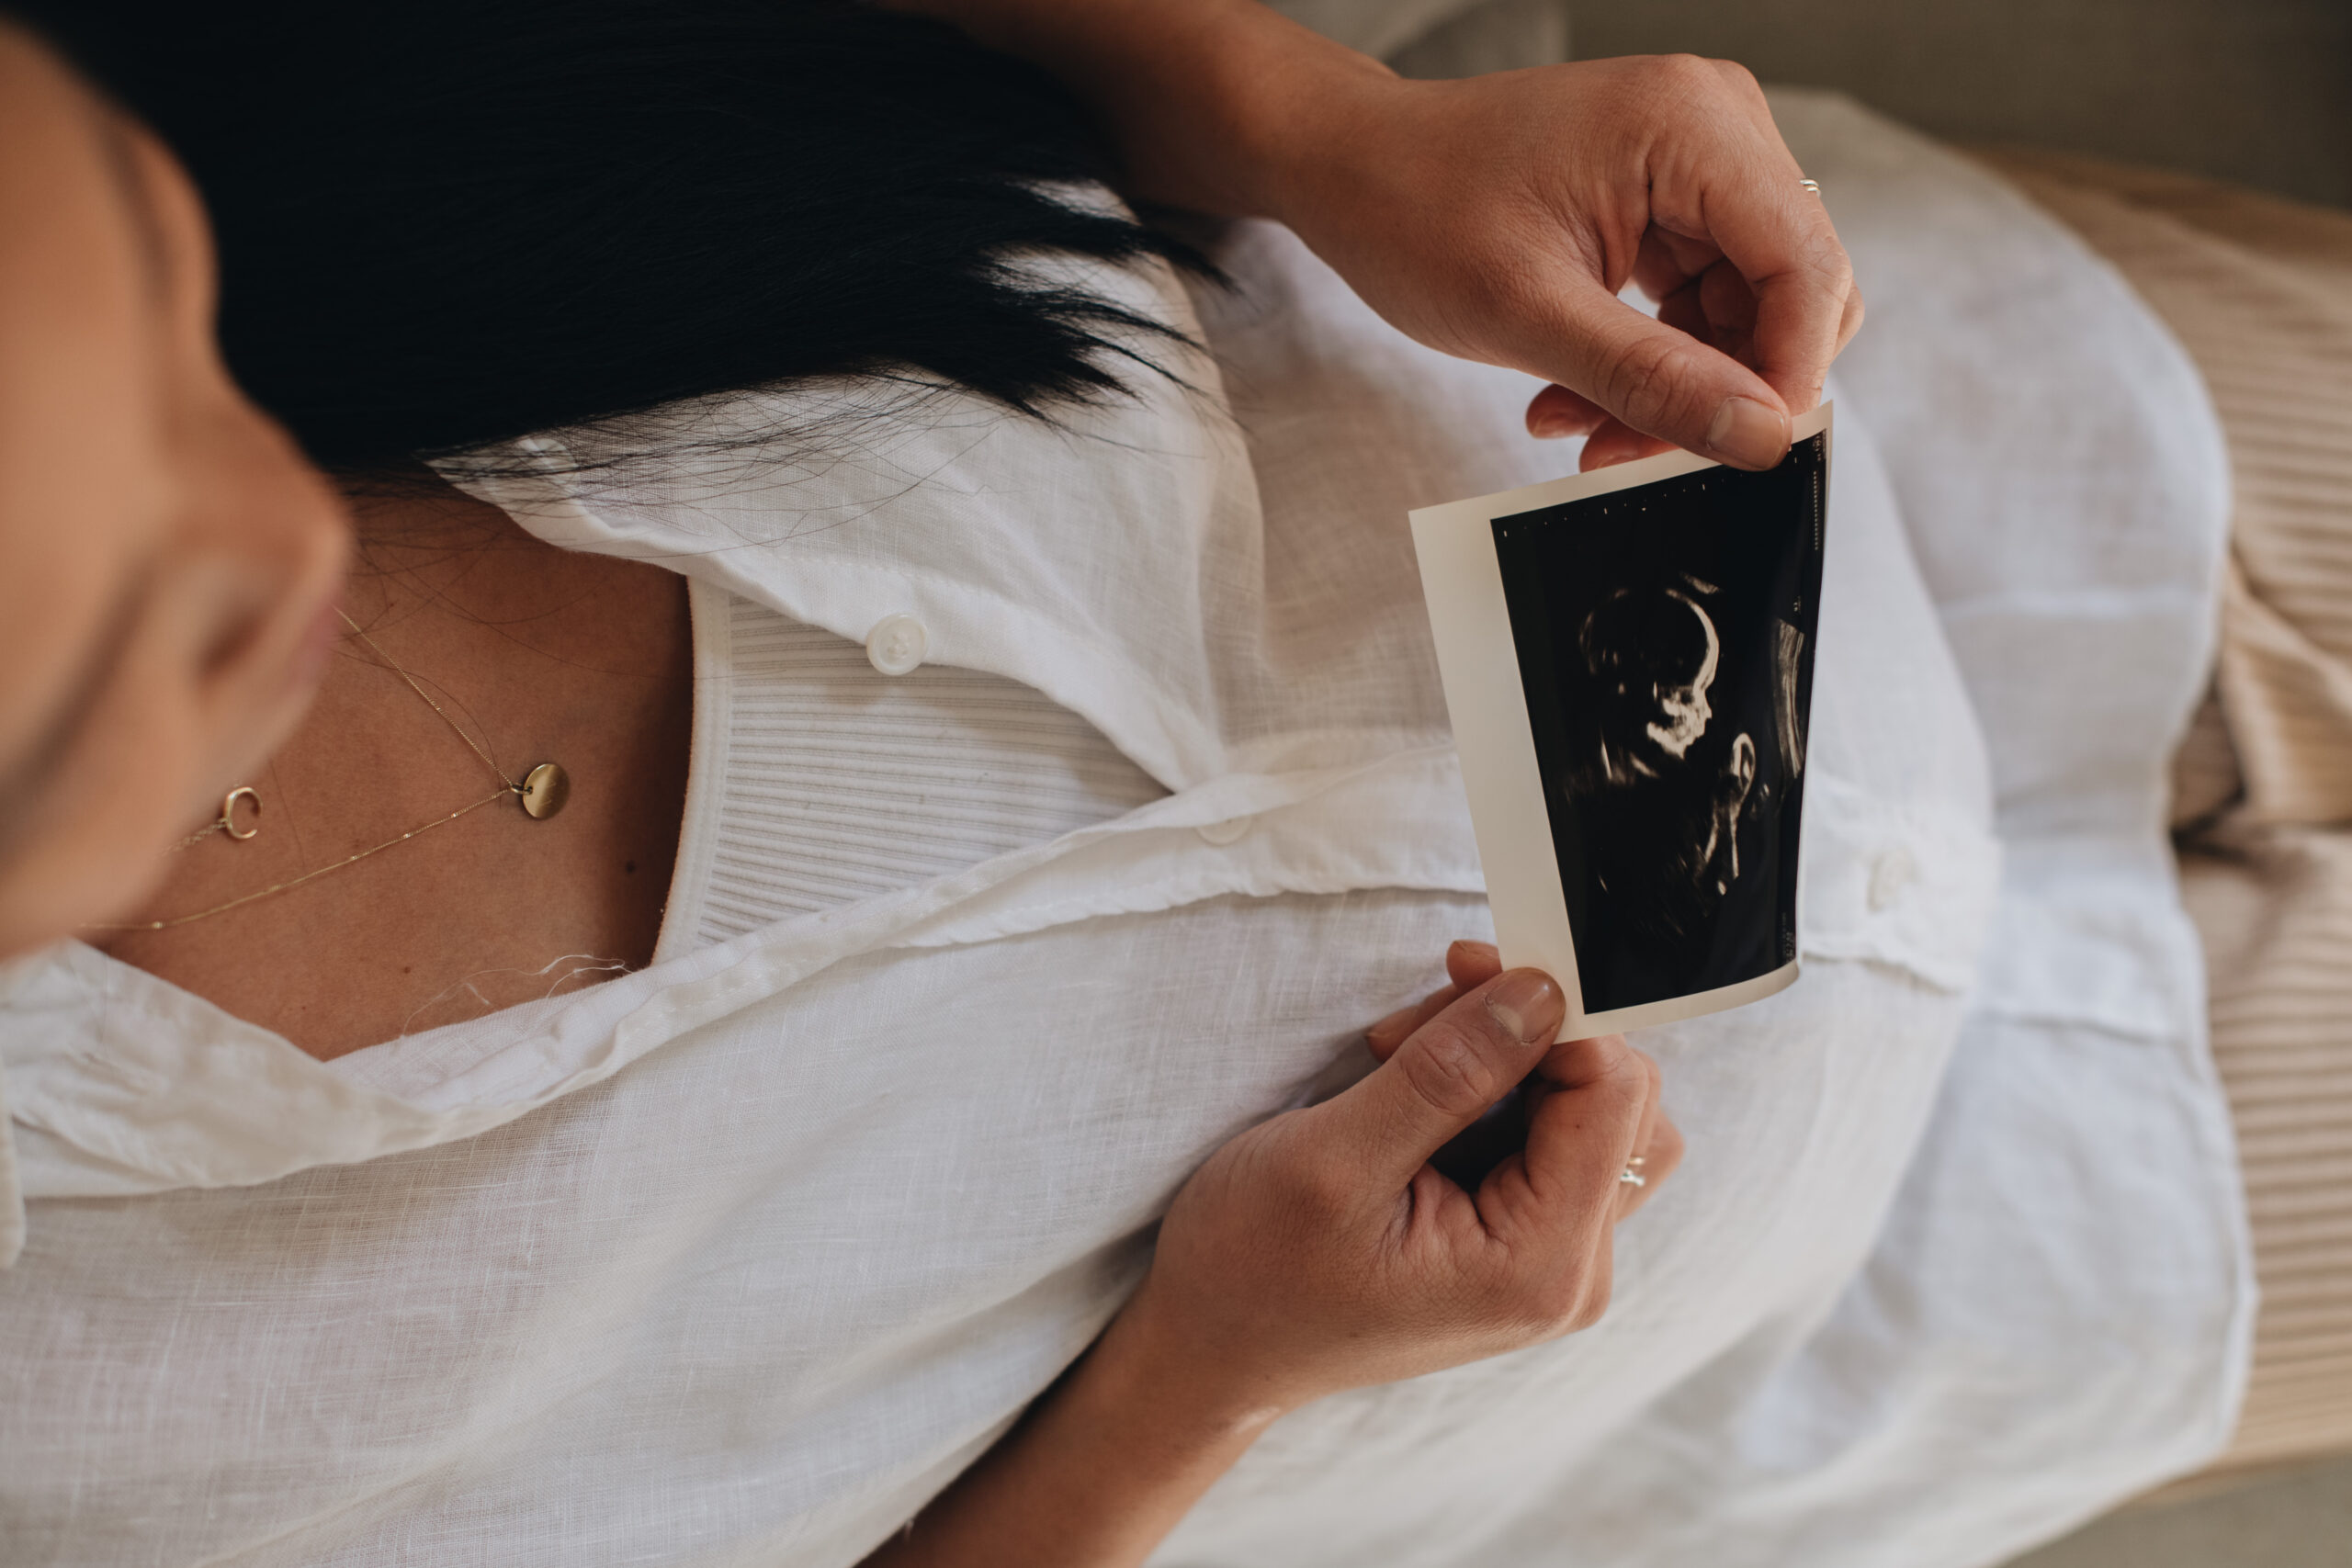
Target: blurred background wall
2255, 90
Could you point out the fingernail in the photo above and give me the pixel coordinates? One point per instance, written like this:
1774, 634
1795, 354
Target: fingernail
1394, 1025
1554, 427
1527, 1005
1749, 434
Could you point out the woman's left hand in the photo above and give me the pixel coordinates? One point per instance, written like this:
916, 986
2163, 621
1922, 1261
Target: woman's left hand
1495, 218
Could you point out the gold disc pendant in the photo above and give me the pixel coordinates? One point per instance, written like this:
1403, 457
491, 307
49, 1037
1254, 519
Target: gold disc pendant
545, 789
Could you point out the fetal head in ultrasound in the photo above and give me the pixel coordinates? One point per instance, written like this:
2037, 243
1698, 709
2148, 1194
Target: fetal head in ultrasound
1665, 636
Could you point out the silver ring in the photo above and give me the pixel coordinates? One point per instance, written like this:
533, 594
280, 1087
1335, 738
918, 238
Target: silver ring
1813, 185
1633, 1177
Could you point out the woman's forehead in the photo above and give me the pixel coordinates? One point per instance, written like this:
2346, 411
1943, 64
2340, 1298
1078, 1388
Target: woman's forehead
69, 179
78, 365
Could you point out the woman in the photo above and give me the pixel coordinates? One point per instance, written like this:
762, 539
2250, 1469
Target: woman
343, 279
982, 937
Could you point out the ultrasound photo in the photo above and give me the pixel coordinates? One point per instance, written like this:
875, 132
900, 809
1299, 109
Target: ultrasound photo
1661, 631
1665, 639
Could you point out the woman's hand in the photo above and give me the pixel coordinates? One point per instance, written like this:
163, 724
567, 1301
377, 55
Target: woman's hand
1497, 218
1320, 1251
1494, 218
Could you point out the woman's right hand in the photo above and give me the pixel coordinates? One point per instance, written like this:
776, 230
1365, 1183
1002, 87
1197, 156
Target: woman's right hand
1320, 1251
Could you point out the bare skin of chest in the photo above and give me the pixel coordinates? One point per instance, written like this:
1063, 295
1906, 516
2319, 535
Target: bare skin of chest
542, 655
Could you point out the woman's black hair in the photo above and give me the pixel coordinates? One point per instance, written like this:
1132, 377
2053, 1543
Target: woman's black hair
446, 223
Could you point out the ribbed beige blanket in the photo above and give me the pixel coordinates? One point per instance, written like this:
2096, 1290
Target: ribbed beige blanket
2259, 291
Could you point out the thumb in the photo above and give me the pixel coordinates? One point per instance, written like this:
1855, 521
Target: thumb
1664, 382
1444, 1075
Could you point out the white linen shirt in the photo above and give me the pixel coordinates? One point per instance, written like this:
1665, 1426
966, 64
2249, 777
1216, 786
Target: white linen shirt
739, 1258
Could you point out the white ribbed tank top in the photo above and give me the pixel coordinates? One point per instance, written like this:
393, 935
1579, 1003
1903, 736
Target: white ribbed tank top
817, 780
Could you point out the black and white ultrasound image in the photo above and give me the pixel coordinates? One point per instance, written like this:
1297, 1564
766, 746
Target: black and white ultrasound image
1666, 644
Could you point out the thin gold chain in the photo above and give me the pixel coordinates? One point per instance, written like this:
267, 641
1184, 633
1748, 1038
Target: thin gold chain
396, 668
199, 836
507, 787
306, 876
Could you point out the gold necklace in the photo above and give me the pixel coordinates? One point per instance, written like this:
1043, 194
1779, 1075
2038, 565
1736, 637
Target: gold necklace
541, 793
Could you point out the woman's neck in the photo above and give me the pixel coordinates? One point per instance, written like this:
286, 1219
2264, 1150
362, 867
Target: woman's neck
540, 655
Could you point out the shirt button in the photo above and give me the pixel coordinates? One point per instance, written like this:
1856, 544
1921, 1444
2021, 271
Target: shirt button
1890, 874
896, 644
1229, 832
